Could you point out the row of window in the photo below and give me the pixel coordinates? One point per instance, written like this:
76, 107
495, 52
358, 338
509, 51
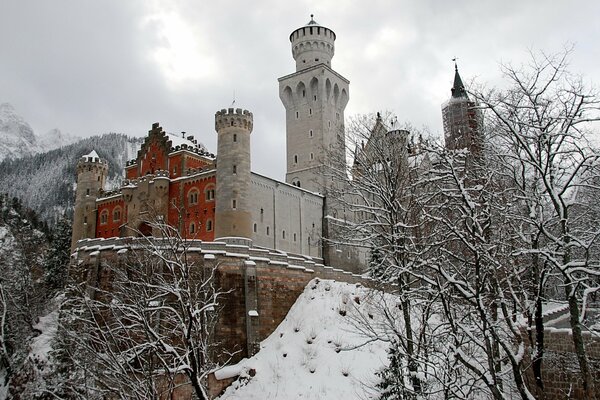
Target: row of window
312, 157
194, 229
116, 217
268, 232
193, 194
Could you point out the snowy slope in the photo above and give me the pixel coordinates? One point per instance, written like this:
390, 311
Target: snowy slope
316, 352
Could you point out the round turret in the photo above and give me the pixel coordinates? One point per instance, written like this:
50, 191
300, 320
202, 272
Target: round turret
91, 177
312, 44
232, 208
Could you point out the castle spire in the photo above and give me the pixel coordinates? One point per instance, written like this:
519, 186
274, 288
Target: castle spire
458, 88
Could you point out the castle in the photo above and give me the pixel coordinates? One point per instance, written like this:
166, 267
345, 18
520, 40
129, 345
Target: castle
211, 198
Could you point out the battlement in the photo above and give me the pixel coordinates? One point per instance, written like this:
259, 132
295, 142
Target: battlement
92, 162
227, 118
312, 44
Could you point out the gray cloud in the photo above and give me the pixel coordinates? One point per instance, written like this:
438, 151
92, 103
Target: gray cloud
89, 67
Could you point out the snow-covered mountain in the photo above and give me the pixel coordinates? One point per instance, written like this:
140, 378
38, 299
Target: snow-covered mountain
17, 138
55, 138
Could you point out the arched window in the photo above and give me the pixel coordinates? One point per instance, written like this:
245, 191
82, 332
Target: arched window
209, 193
104, 217
192, 228
283, 234
254, 228
117, 214
295, 159
267, 231
193, 196
209, 226
294, 237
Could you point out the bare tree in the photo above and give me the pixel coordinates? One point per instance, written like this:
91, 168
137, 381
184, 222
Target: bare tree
540, 126
382, 217
149, 322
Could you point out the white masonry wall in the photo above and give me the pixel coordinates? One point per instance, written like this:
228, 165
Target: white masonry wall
285, 217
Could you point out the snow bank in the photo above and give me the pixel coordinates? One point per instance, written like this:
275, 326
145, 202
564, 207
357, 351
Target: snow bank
41, 345
316, 352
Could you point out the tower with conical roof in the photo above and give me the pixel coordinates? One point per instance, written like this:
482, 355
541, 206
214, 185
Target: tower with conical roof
314, 98
462, 120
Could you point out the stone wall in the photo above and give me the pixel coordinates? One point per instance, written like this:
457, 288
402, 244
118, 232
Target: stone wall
560, 370
263, 284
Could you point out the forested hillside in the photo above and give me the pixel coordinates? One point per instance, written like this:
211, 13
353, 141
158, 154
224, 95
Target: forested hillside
46, 182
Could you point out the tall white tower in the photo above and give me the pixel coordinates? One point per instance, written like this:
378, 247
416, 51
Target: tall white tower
314, 97
232, 214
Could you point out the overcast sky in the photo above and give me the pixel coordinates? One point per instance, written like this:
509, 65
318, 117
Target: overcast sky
90, 67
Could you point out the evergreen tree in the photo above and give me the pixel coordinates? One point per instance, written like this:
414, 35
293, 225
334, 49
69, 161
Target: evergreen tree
391, 385
57, 260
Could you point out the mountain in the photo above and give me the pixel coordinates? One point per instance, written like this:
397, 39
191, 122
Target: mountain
46, 181
55, 138
17, 138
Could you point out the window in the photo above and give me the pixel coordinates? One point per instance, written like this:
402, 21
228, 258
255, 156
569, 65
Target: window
117, 214
295, 159
235, 169
98, 179
254, 228
294, 237
315, 97
193, 196
192, 228
297, 115
310, 133
175, 170
267, 231
104, 217
304, 93
235, 137
209, 193
283, 234
310, 111
209, 225
312, 156
329, 124
87, 191
234, 204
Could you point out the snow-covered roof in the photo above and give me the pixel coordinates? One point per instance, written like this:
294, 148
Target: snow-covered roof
178, 141
92, 156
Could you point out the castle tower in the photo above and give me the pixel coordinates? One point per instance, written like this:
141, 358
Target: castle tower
314, 98
91, 177
232, 214
462, 120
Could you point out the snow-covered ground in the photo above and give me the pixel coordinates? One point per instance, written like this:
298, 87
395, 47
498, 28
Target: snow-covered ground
317, 352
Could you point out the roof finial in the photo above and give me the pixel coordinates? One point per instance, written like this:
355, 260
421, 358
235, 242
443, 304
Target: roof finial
455, 66
312, 17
